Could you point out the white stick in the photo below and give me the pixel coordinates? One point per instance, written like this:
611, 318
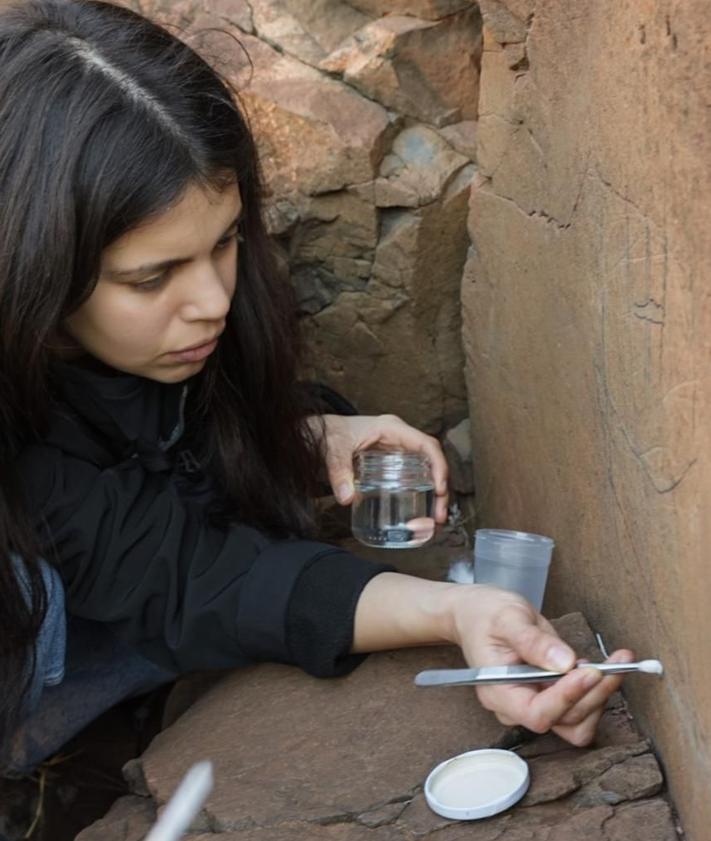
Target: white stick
184, 804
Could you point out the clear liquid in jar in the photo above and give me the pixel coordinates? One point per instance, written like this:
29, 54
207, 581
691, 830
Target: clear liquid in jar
393, 519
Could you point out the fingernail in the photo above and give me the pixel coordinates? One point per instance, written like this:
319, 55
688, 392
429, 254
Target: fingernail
591, 678
559, 658
344, 491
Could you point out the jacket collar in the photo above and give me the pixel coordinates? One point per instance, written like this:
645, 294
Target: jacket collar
124, 408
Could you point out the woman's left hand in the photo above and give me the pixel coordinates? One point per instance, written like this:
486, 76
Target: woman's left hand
348, 435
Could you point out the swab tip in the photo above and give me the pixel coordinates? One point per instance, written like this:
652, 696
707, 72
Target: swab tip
651, 667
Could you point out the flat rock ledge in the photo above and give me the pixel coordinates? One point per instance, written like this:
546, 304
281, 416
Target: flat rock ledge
345, 760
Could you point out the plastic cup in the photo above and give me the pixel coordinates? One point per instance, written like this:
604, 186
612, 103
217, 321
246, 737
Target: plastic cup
513, 560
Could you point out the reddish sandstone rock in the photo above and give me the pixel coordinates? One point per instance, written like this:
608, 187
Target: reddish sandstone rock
498, 119
237, 12
193, 15
315, 134
307, 29
428, 9
423, 69
288, 747
585, 330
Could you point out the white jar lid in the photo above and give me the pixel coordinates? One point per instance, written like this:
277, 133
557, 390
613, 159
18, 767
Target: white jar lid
476, 784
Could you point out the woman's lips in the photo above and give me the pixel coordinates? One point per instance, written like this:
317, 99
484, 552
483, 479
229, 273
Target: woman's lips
195, 354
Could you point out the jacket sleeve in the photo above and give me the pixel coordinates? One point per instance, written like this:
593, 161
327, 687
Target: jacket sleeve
188, 594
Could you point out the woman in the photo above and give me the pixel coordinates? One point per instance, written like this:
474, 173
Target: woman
156, 450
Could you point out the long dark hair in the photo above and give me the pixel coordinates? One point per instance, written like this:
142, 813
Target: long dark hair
105, 120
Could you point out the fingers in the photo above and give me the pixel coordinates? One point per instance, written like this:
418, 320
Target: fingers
431, 449
540, 710
335, 436
572, 707
581, 734
340, 477
394, 432
441, 508
422, 528
339, 463
532, 643
347, 435
594, 702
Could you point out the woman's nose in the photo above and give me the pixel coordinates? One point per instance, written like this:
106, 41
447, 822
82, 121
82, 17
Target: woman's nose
207, 295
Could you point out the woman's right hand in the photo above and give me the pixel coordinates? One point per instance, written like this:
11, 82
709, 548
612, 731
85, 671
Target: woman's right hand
496, 627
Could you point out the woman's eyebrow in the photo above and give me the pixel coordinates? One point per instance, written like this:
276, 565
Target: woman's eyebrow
165, 264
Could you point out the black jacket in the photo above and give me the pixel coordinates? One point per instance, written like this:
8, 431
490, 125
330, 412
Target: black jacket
126, 524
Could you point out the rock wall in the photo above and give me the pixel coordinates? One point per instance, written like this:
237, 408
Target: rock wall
587, 324
365, 113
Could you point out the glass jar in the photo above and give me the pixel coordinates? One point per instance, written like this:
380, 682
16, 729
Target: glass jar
393, 506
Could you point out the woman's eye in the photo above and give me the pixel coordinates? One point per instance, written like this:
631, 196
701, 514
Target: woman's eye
228, 240
151, 284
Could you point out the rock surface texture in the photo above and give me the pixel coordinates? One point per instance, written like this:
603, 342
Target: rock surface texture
345, 760
587, 321
365, 115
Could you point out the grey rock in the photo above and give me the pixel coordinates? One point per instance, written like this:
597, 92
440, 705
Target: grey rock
382, 815
129, 819
458, 451
633, 779
317, 288
462, 137
558, 774
647, 821
304, 831
401, 334
417, 169
133, 774
506, 20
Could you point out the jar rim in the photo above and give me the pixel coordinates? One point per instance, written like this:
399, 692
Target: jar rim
394, 467
392, 458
